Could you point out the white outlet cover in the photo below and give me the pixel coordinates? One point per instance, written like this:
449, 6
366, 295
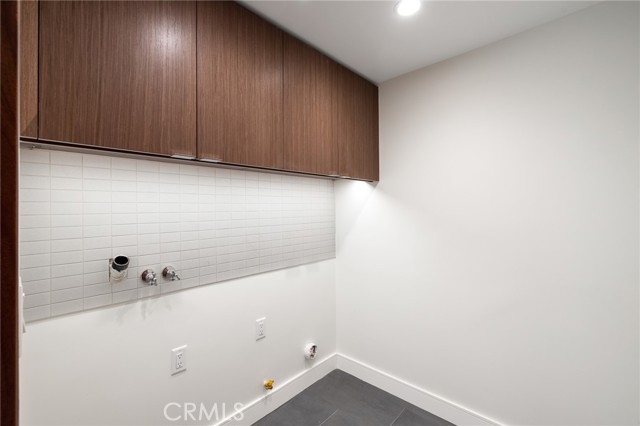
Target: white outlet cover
178, 359
261, 328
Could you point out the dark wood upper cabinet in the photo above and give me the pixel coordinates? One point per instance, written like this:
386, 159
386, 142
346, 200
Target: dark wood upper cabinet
28, 68
119, 74
370, 131
240, 110
330, 116
207, 79
310, 83
357, 126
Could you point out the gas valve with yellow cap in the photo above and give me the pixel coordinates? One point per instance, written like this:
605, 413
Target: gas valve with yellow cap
268, 384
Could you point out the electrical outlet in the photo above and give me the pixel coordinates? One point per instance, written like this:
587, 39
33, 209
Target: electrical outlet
261, 330
178, 359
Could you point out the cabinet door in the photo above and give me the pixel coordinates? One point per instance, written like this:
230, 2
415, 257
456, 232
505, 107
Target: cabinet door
239, 86
370, 130
310, 137
357, 128
119, 74
28, 68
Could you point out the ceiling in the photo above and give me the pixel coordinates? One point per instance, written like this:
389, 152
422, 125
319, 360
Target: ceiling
368, 37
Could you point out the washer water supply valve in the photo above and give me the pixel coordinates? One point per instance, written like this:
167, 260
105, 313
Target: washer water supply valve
310, 351
149, 277
268, 384
170, 273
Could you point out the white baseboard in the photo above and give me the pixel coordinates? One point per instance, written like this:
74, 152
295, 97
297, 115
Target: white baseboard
441, 407
435, 404
262, 406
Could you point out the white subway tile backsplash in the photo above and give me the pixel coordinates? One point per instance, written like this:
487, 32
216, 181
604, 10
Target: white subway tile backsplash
65, 258
147, 197
124, 240
147, 180
96, 208
148, 239
35, 195
170, 247
35, 169
35, 260
61, 183
147, 166
70, 244
148, 291
172, 286
101, 161
62, 283
96, 173
36, 286
70, 269
66, 171
94, 266
68, 307
92, 289
144, 218
189, 180
66, 208
149, 261
118, 163
96, 242
124, 208
35, 234
96, 185
58, 296
148, 249
130, 229
96, 254
90, 278
61, 195
95, 220
63, 158
34, 156
126, 197
38, 313
129, 284
211, 224
40, 299
148, 185
65, 232
34, 247
122, 179
96, 197
125, 296
35, 182
35, 208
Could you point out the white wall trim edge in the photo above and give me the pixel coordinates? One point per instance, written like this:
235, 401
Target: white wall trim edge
422, 398
281, 393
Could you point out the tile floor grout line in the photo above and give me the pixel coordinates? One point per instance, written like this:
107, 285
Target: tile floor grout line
325, 420
396, 419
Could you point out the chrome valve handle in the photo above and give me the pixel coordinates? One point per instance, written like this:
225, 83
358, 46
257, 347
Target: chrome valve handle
149, 277
170, 273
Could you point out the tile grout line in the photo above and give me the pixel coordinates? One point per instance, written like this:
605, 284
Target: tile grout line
396, 419
327, 419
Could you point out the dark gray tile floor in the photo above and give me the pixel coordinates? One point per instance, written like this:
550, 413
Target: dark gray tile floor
339, 399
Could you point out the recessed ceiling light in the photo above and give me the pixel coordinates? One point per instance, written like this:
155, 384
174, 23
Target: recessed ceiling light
407, 7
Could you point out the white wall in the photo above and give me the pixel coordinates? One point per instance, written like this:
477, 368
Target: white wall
496, 262
111, 366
